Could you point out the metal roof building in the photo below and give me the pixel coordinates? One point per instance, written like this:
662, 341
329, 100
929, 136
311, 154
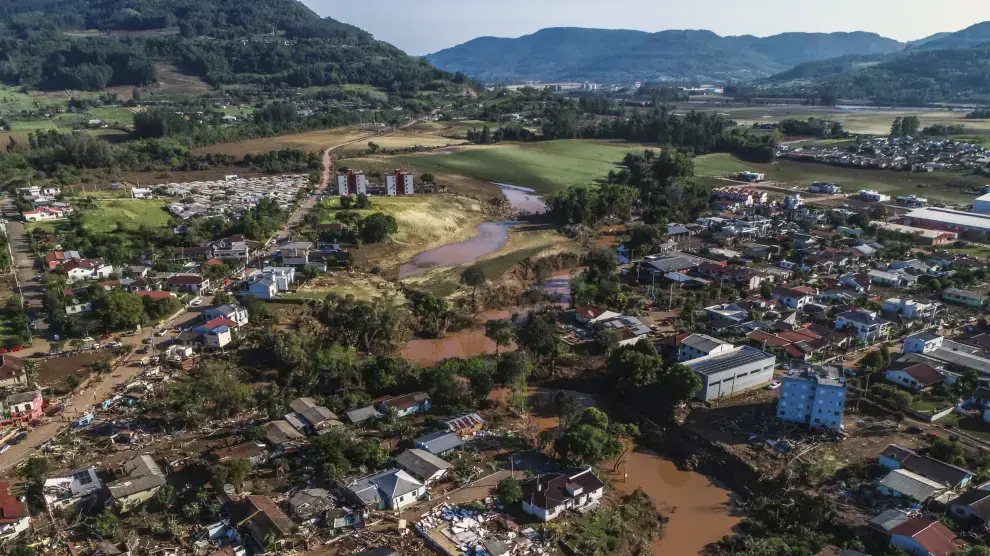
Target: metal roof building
727, 374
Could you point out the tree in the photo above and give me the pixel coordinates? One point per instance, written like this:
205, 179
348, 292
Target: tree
377, 227
165, 496
120, 310
35, 470
588, 442
105, 524
568, 409
433, 312
428, 178
948, 451
499, 331
473, 277
221, 298
373, 147
362, 202
30, 367
231, 472
21, 549
509, 491
538, 335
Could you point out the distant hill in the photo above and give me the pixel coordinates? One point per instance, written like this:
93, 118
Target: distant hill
620, 56
92, 44
912, 77
974, 35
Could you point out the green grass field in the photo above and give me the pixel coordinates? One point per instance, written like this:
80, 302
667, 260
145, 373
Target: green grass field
547, 167
130, 214
947, 187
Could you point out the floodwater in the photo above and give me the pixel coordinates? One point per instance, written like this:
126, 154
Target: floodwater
522, 199
491, 237
464, 344
700, 509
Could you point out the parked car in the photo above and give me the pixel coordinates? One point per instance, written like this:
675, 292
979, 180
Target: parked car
88, 339
773, 385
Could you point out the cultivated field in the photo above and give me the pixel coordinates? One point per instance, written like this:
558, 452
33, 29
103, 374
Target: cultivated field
947, 187
403, 139
547, 167
875, 120
314, 141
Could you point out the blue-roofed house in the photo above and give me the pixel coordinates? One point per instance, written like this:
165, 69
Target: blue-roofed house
438, 443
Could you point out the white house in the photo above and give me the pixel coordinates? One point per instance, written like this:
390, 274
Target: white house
793, 298
922, 342
393, 489
909, 308
236, 313
142, 193
42, 214
71, 489
263, 289
867, 325
14, 516
423, 465
727, 374
589, 314
873, 196
915, 377
283, 276
546, 496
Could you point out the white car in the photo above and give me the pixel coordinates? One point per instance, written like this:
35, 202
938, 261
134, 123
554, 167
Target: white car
87, 339
773, 385
196, 302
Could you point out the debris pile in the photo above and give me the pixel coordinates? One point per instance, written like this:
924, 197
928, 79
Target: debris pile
479, 533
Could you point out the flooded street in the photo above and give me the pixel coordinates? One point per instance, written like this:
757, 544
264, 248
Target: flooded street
559, 286
700, 510
491, 237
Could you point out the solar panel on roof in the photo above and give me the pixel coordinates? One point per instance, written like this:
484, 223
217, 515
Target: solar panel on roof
725, 362
83, 477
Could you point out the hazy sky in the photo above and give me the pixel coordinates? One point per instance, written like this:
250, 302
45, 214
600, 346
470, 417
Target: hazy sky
425, 26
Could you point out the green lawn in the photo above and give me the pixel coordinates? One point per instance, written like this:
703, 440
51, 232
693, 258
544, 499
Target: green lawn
975, 426
978, 251
945, 187
547, 167
110, 115
129, 214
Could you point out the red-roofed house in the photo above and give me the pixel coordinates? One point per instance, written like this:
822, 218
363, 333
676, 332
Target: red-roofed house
11, 371
157, 296
924, 537
14, 516
590, 314
916, 377
219, 321
83, 269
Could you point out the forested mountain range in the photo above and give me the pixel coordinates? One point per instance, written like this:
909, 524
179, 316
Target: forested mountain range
621, 56
944, 67
91, 44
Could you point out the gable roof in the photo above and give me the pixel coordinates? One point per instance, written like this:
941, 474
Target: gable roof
976, 500
265, 518
463, 422
551, 491
421, 463
11, 508
395, 482
362, 414
936, 538
142, 474
405, 401
912, 485
186, 279
924, 374
438, 442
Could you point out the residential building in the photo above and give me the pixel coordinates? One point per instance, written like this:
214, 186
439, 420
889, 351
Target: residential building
867, 325
137, 481
889, 519
963, 297
216, 333
191, 283
923, 235
813, 395
873, 196
233, 312
794, 298
142, 193
281, 434
11, 371
438, 443
263, 289
70, 490
901, 483
827, 188
263, 522
22, 408
981, 204
43, 214
546, 496
350, 182
891, 279
950, 476
466, 425
314, 416
283, 276
731, 373
924, 537
589, 314
701, 345
406, 404
14, 515
972, 506
909, 308
917, 377
423, 465
393, 489
362, 414
85, 269
922, 342
295, 253
399, 183
55, 258
251, 451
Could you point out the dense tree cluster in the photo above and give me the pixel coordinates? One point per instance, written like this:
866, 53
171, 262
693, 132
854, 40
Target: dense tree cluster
940, 130
224, 41
906, 126
647, 383
812, 127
